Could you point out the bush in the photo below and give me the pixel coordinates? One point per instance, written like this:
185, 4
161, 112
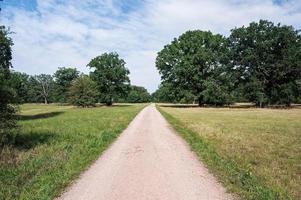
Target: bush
83, 92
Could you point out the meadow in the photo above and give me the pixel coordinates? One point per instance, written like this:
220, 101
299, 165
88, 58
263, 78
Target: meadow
54, 144
254, 152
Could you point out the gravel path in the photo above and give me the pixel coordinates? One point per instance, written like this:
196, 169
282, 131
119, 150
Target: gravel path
148, 161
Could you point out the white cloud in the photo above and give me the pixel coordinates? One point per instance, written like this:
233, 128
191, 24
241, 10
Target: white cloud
70, 33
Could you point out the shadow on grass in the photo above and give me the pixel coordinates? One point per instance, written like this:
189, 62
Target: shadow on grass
179, 105
114, 105
235, 105
205, 106
122, 105
25, 141
39, 116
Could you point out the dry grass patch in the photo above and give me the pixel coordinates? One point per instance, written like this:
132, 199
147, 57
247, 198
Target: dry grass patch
267, 142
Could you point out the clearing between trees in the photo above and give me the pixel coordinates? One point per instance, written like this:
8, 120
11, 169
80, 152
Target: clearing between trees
148, 161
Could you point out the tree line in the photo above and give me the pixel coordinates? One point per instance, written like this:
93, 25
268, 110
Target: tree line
259, 63
107, 82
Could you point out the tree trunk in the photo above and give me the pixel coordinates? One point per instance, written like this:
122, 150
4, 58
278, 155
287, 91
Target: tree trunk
45, 100
109, 103
200, 102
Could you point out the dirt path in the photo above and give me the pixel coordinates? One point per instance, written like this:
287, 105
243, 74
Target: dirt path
148, 161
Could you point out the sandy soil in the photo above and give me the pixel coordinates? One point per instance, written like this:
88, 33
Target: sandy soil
148, 161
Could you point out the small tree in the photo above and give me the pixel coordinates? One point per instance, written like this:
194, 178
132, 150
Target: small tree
111, 76
138, 94
83, 92
63, 78
42, 86
164, 93
216, 93
20, 84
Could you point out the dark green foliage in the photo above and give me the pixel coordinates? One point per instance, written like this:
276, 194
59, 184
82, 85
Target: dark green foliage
138, 94
7, 114
164, 94
63, 78
267, 61
83, 92
20, 84
189, 62
111, 76
215, 93
260, 63
7, 111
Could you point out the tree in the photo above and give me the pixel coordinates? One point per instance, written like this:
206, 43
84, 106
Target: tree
20, 84
7, 111
216, 93
138, 94
190, 61
164, 94
111, 76
266, 61
83, 92
41, 87
63, 78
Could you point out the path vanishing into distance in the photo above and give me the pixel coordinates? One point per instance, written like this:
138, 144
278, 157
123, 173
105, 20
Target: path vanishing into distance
148, 161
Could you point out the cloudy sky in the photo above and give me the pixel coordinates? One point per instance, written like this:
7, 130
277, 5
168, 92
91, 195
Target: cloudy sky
56, 33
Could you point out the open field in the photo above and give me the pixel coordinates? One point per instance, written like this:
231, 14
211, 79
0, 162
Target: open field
254, 152
54, 144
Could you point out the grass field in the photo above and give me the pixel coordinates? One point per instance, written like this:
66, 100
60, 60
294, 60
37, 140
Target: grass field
256, 153
54, 144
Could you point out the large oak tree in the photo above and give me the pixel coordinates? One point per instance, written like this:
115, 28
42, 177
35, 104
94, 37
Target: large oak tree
266, 59
111, 76
195, 64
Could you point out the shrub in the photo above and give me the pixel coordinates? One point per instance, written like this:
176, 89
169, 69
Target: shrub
83, 92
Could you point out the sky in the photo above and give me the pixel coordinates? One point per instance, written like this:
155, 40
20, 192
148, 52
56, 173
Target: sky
68, 33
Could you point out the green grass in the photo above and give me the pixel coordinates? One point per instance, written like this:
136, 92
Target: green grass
254, 152
55, 144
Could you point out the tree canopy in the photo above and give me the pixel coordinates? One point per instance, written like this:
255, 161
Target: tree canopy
19, 83
138, 94
7, 111
193, 63
63, 78
266, 60
260, 63
83, 92
111, 76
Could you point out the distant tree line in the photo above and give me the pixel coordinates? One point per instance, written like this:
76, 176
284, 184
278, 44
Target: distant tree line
259, 63
107, 82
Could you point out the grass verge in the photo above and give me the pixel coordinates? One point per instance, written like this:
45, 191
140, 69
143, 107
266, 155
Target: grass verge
55, 144
240, 179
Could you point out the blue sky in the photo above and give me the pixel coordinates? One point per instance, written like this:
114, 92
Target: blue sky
56, 33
